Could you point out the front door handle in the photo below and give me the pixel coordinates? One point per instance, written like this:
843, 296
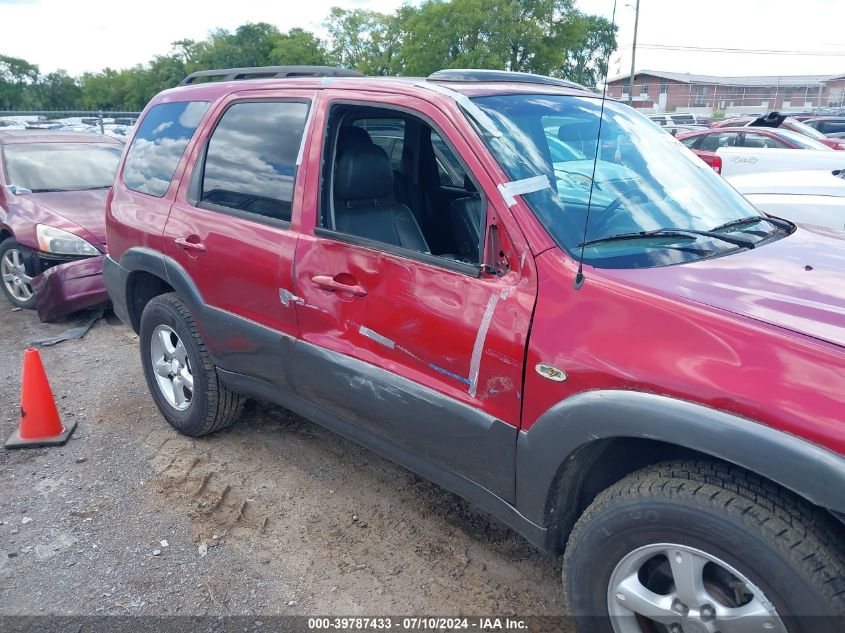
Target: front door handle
343, 282
190, 243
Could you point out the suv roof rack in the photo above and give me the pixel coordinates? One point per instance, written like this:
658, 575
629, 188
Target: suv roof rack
269, 72
473, 74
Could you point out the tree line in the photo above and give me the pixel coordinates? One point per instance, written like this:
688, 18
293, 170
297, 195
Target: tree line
548, 37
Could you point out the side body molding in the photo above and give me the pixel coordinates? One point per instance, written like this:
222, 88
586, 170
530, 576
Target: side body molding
805, 468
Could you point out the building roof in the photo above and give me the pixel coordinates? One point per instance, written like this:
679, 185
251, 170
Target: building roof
751, 80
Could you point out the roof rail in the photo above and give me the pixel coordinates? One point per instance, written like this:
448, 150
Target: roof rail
269, 72
473, 74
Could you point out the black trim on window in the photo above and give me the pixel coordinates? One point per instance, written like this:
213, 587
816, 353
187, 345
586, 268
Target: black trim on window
473, 270
326, 182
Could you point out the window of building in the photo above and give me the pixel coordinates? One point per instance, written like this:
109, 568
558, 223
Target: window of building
159, 143
250, 162
664, 86
699, 97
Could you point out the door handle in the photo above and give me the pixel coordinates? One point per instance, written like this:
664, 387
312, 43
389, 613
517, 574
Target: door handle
190, 243
342, 282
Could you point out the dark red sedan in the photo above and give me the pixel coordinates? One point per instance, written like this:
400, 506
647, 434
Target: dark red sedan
777, 138
52, 225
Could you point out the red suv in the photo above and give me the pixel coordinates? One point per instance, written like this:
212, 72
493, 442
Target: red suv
641, 371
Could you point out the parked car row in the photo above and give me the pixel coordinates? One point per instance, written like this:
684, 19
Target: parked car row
119, 128
826, 129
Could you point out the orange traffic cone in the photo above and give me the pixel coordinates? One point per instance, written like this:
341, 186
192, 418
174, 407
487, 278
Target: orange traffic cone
40, 424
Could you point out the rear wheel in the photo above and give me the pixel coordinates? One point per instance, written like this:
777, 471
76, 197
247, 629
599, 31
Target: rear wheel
699, 547
16, 281
179, 372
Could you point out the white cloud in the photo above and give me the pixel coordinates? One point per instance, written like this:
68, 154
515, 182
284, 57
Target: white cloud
61, 34
88, 37
811, 25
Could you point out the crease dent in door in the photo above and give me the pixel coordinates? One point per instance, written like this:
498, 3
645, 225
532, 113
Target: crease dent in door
477, 348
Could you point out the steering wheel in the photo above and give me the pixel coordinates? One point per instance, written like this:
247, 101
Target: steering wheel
610, 210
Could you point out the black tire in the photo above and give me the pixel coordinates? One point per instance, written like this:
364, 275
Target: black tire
7, 245
212, 406
788, 549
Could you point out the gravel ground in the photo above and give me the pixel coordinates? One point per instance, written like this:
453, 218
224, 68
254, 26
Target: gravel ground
273, 516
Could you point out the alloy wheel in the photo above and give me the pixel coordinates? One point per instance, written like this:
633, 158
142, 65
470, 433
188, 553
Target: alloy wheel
668, 588
17, 283
172, 367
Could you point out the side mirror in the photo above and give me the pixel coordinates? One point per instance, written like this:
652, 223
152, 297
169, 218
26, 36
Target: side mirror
15, 190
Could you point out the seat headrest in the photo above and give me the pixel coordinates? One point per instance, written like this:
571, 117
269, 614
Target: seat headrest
578, 131
350, 136
363, 173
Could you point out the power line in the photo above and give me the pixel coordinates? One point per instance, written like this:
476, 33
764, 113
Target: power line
750, 51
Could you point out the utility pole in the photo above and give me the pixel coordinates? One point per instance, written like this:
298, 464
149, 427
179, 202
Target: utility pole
633, 55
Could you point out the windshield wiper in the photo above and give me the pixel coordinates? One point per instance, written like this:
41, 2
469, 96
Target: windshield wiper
47, 190
737, 241
781, 224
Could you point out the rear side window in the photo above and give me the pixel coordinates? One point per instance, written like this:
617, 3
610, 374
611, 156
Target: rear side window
754, 139
714, 141
250, 163
159, 144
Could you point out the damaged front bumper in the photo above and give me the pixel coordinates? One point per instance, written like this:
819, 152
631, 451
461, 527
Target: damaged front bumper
66, 288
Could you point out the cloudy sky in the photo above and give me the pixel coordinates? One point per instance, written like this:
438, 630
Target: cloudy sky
88, 36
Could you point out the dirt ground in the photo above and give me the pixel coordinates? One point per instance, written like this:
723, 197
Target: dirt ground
273, 516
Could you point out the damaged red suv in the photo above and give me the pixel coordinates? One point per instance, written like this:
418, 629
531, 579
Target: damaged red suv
617, 356
52, 219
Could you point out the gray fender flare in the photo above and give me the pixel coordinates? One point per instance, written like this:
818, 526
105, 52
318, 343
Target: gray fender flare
807, 469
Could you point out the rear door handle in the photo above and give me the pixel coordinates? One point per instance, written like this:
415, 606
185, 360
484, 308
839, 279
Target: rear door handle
342, 282
190, 243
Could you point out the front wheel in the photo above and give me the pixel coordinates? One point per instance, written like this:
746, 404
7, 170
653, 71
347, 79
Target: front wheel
179, 372
16, 281
701, 547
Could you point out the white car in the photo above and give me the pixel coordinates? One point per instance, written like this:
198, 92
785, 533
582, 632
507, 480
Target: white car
753, 160
806, 197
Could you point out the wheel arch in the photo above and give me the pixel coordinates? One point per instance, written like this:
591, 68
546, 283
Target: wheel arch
148, 274
590, 441
141, 288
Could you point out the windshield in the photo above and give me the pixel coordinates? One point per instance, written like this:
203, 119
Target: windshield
44, 167
652, 201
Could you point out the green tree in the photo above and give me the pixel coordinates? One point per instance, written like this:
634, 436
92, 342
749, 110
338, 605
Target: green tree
16, 77
55, 91
541, 36
367, 41
250, 45
298, 47
548, 37
586, 60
